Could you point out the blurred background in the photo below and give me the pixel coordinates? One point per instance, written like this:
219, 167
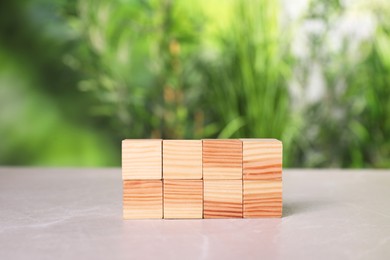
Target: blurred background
77, 77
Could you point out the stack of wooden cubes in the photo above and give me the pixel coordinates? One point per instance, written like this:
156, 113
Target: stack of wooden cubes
211, 178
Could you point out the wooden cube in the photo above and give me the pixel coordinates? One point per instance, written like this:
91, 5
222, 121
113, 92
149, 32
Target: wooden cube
182, 159
222, 159
142, 199
183, 199
222, 199
141, 159
262, 198
262, 159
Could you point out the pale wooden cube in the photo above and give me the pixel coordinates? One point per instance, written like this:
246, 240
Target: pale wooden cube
222, 199
142, 159
262, 159
222, 159
183, 199
182, 159
262, 199
142, 199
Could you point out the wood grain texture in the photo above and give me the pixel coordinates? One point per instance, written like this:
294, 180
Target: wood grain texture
222, 159
262, 159
142, 199
262, 198
141, 159
222, 199
183, 199
182, 159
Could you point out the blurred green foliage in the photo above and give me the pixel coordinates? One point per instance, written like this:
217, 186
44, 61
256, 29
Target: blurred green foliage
76, 77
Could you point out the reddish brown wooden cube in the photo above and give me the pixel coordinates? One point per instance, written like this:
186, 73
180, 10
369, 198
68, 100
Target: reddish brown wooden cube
262, 159
222, 159
142, 199
262, 198
222, 199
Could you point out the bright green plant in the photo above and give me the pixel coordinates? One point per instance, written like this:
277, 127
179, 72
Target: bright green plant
137, 58
249, 79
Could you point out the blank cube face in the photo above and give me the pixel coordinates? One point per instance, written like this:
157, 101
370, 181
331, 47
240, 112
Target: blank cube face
183, 198
262, 199
222, 199
262, 159
182, 159
222, 159
141, 159
142, 199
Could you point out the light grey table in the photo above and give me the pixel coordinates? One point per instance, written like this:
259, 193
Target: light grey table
76, 214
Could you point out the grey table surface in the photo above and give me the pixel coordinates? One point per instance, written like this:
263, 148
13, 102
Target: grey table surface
76, 214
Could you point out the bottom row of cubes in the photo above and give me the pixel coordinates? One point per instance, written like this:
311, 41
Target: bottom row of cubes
179, 199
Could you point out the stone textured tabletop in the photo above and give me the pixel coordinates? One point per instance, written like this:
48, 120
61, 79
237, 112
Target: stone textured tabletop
76, 214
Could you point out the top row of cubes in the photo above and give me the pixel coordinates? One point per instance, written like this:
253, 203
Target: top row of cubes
224, 159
